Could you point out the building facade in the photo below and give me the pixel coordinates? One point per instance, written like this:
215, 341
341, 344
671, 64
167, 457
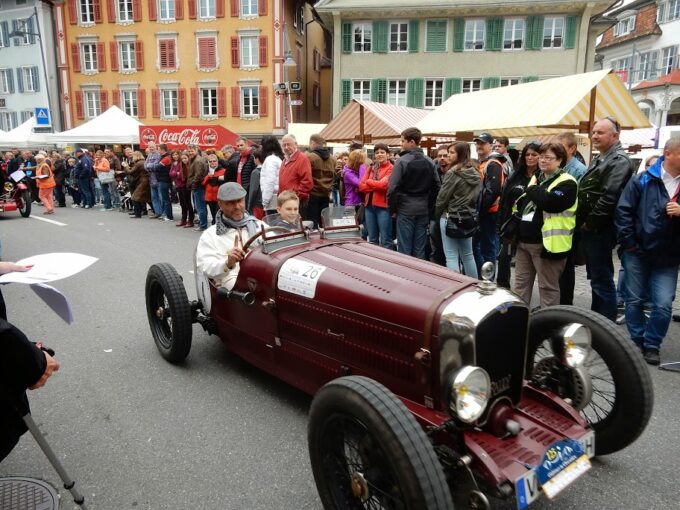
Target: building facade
642, 46
24, 82
417, 54
182, 61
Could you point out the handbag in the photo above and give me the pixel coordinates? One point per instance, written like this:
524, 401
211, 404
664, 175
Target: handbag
462, 225
510, 229
106, 177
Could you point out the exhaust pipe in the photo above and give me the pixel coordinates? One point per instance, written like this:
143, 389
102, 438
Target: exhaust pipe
248, 298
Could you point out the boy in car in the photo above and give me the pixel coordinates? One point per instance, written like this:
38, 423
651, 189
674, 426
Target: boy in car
288, 207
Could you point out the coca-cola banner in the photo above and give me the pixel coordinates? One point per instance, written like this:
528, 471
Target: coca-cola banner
179, 137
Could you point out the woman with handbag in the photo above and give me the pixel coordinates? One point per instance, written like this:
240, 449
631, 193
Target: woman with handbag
106, 176
548, 218
456, 206
373, 185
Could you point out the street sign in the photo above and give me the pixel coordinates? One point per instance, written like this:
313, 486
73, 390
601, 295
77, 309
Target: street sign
296, 102
42, 117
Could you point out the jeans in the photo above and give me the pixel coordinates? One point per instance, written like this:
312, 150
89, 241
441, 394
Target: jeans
156, 199
597, 247
115, 196
379, 224
59, 192
457, 250
96, 187
86, 191
412, 234
166, 204
184, 196
106, 193
485, 241
437, 254
646, 280
201, 208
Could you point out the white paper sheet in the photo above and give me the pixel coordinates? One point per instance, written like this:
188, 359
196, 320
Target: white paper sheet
17, 175
55, 300
49, 267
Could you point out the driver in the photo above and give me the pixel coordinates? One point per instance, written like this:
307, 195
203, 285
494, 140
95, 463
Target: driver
220, 248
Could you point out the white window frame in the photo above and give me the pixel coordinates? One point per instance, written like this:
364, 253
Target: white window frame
475, 35
86, 12
553, 29
366, 35
362, 91
131, 96
167, 6
395, 96
27, 77
253, 60
2, 36
646, 69
24, 39
207, 9
624, 26
471, 85
91, 103
509, 81
208, 92
7, 121
125, 11
401, 37
247, 90
248, 8
4, 80
168, 98
131, 59
669, 59
511, 25
93, 60
25, 115
436, 85
669, 10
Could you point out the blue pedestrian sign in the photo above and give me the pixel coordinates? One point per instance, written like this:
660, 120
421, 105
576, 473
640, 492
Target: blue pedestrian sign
42, 117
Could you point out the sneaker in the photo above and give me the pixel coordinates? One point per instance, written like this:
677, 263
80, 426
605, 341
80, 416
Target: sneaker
165, 218
87, 207
200, 229
75, 206
652, 356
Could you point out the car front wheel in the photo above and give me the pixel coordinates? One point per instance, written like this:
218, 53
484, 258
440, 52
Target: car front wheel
368, 452
25, 204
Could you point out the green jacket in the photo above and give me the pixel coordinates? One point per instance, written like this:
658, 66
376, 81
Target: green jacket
459, 192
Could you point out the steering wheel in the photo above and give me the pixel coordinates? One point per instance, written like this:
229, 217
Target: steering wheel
250, 241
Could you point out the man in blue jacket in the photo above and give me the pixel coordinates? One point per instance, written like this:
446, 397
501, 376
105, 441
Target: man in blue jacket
648, 227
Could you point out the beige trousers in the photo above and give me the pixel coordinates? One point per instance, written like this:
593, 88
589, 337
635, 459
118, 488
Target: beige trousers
528, 264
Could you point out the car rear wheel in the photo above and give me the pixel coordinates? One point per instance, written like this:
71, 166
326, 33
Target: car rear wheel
621, 398
25, 204
368, 451
169, 312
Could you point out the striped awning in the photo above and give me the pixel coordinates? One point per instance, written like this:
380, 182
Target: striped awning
535, 108
383, 122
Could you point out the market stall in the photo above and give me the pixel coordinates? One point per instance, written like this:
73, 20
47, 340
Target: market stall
113, 126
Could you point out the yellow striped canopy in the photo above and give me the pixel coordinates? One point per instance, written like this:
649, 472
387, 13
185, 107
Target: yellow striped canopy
536, 108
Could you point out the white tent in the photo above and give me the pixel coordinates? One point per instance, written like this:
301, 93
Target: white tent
112, 126
23, 137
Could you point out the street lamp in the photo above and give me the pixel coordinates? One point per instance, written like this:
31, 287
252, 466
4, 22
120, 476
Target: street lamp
20, 33
287, 64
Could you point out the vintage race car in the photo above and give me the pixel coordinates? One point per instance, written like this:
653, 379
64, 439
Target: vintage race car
16, 196
424, 380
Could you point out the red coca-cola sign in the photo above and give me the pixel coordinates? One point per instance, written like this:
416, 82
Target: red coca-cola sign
179, 137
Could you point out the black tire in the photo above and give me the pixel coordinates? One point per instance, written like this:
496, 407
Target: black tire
169, 312
364, 443
25, 209
622, 398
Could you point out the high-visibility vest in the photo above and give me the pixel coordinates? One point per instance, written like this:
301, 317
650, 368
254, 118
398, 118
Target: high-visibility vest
558, 228
482, 173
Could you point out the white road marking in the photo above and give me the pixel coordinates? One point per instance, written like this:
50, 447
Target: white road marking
54, 222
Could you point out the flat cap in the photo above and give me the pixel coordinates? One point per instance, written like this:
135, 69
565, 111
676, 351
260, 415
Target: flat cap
231, 191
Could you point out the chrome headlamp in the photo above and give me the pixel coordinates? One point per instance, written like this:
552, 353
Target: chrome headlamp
576, 340
470, 392
9, 186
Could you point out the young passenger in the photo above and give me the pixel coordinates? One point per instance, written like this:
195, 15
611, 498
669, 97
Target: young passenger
288, 207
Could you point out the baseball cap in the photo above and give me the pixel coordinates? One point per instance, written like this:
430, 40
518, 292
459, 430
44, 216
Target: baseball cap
484, 137
230, 191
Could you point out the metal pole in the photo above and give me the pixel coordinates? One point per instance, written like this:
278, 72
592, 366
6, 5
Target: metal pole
631, 67
44, 65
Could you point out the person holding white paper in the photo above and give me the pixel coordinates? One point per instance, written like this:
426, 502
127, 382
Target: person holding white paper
46, 183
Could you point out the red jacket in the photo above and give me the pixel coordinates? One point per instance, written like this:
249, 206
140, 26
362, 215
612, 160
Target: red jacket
378, 187
210, 190
296, 175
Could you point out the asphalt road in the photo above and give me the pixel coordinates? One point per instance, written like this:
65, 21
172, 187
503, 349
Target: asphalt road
213, 433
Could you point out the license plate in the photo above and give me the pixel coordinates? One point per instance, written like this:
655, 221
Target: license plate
528, 489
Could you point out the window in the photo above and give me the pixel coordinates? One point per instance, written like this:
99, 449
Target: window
209, 102
250, 101
435, 39
29, 76
167, 55
250, 52
125, 10
399, 37
647, 67
362, 37
6, 81
166, 10
169, 107
434, 93
26, 26
622, 64
25, 115
513, 34
206, 9
207, 52
92, 105
248, 7
88, 57
474, 34
8, 120
127, 58
3, 34
668, 10
669, 59
128, 102
625, 26
361, 89
86, 11
553, 32
396, 92
506, 82
472, 84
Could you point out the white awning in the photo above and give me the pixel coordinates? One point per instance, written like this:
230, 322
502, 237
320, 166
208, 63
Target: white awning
112, 126
23, 137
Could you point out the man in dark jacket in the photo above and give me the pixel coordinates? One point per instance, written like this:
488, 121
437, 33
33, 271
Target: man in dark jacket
244, 162
648, 225
83, 173
598, 193
323, 172
162, 171
413, 183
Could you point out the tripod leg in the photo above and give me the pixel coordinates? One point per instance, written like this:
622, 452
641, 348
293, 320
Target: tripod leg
69, 484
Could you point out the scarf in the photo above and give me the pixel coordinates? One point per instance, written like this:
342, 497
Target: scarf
223, 224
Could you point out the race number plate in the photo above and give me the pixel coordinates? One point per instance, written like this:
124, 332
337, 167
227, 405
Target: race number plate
299, 277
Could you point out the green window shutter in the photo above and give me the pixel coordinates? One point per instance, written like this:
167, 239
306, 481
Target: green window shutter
494, 34
414, 92
381, 34
413, 35
534, 34
436, 35
491, 82
379, 90
452, 86
570, 37
527, 79
347, 38
346, 93
458, 34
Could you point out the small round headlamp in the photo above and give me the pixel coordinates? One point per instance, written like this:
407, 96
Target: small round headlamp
577, 339
9, 186
471, 388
